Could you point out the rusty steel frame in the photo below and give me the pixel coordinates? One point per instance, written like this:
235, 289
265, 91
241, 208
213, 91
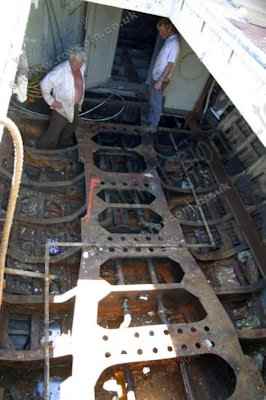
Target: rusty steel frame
148, 180
110, 347
94, 233
104, 347
195, 196
62, 303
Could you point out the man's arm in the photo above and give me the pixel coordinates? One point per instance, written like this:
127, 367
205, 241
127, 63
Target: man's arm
47, 85
166, 75
83, 69
172, 57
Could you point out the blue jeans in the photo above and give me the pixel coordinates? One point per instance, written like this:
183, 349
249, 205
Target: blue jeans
155, 106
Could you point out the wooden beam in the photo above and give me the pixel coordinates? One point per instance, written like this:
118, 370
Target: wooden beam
28, 274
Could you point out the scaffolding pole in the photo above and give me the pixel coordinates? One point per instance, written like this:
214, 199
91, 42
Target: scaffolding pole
46, 324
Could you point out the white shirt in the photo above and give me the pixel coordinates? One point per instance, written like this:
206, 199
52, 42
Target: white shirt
168, 54
59, 85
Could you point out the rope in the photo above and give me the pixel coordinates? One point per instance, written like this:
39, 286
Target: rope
16, 180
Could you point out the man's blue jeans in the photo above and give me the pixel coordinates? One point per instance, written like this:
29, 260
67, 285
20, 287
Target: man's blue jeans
155, 106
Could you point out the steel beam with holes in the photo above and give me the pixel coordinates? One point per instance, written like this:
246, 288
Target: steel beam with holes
141, 151
167, 232
210, 333
98, 340
98, 181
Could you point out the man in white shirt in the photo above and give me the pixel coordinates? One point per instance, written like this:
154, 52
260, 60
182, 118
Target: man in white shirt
63, 90
163, 69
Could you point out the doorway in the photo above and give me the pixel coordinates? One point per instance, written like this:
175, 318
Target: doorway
135, 46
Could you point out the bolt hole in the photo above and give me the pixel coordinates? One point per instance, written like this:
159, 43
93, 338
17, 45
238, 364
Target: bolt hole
206, 328
125, 250
151, 249
136, 334
155, 350
151, 333
184, 347
110, 238
166, 332
198, 345
148, 238
170, 348
107, 355
123, 352
105, 338
111, 249
140, 352
193, 330
180, 330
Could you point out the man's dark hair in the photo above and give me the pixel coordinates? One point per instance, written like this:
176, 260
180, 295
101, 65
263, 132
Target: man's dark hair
166, 22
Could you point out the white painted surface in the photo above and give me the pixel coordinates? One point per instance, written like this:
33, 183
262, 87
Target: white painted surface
156, 7
13, 20
101, 39
188, 81
235, 62
254, 13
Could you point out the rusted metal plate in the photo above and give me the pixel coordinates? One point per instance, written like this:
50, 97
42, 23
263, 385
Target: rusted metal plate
107, 179
214, 334
127, 159
105, 282
156, 228
175, 316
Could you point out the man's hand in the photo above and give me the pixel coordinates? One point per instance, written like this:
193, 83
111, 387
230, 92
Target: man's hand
56, 105
158, 85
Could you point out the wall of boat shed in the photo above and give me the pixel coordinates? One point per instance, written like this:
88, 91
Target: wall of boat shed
53, 28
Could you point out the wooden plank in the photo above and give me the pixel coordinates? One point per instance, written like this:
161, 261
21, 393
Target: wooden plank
242, 217
46, 326
28, 274
35, 332
18, 332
